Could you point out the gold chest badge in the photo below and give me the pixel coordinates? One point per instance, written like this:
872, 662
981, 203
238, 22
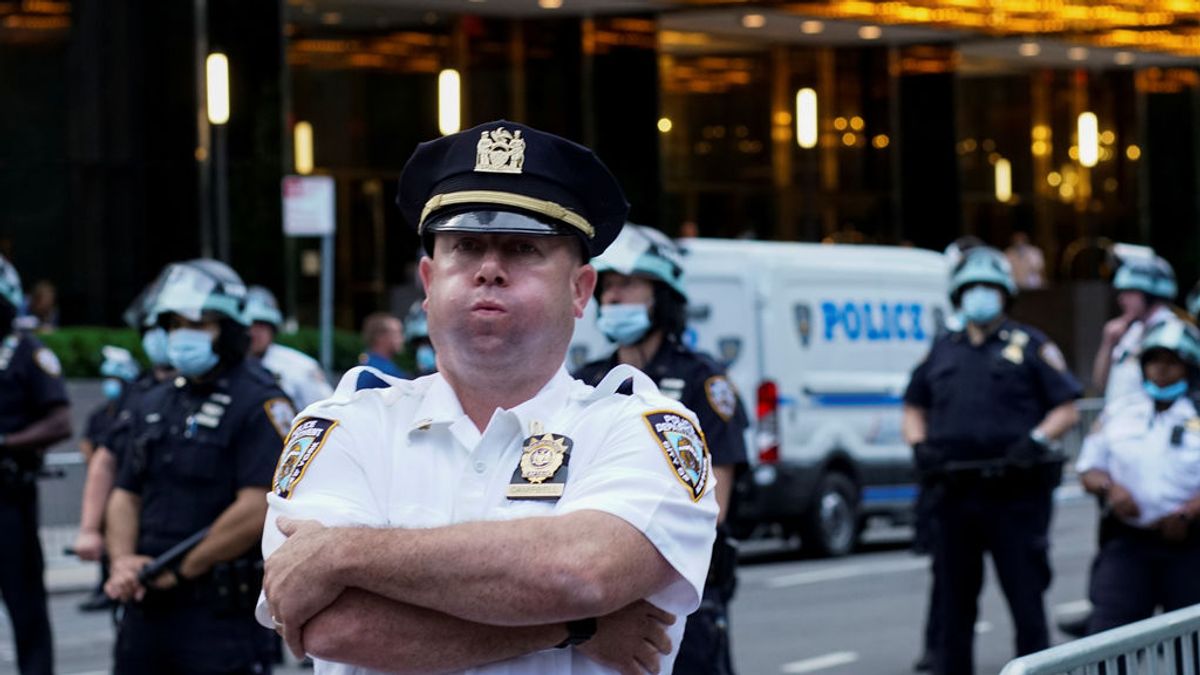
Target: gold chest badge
542, 472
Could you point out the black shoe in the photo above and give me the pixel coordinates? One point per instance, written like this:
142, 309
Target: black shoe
96, 602
924, 664
1076, 627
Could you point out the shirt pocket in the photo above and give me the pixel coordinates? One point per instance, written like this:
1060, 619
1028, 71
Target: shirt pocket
198, 459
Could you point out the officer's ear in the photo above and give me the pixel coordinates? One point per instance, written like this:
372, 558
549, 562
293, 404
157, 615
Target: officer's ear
583, 285
425, 270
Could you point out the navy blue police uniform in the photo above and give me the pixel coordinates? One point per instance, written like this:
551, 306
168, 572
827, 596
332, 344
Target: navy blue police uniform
192, 447
981, 402
31, 385
699, 382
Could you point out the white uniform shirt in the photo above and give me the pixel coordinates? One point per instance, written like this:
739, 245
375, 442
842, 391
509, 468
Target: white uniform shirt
1134, 445
300, 376
1125, 373
408, 456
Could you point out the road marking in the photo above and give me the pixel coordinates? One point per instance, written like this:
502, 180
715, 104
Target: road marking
847, 572
816, 663
1076, 607
982, 627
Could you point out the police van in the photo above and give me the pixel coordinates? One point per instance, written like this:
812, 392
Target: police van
820, 341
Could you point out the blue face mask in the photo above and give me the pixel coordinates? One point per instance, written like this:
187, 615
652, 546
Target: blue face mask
154, 343
426, 359
191, 351
624, 324
111, 388
981, 304
1167, 393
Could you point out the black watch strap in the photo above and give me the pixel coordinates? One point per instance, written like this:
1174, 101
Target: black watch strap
578, 632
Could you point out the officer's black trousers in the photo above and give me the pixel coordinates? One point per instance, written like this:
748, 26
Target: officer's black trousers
189, 639
704, 649
1010, 520
21, 579
1136, 572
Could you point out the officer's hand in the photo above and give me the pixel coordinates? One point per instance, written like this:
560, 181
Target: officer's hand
1122, 502
1026, 452
631, 640
1115, 328
1173, 526
165, 581
927, 457
122, 584
299, 578
89, 544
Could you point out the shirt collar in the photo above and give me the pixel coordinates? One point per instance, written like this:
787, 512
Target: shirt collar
440, 405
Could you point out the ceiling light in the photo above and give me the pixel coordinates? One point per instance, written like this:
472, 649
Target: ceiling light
870, 32
753, 21
812, 27
1077, 53
1029, 49
1124, 58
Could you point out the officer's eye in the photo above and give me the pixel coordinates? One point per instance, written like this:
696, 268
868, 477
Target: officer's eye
524, 248
466, 244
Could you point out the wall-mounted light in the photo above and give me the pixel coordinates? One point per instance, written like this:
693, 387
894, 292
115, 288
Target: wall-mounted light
449, 102
1089, 139
870, 32
806, 118
812, 27
1003, 180
302, 147
217, 82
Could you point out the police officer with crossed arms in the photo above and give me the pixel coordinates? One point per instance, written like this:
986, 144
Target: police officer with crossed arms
479, 517
643, 310
981, 412
1144, 464
34, 414
201, 451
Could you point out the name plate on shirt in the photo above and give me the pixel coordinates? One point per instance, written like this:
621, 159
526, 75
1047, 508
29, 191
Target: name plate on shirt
542, 473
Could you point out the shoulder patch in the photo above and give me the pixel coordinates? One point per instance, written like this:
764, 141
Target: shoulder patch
1053, 356
721, 396
683, 446
301, 446
48, 362
281, 413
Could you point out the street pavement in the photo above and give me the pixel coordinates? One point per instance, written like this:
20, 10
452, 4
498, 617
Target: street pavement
859, 615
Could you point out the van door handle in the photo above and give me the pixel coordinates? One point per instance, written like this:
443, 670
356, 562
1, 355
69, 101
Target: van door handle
809, 391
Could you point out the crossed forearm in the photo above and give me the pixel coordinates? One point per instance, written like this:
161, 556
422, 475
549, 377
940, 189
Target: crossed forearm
521, 572
370, 631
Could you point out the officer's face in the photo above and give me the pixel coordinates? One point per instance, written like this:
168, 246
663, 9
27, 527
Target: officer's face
621, 289
261, 336
1164, 368
1132, 303
500, 297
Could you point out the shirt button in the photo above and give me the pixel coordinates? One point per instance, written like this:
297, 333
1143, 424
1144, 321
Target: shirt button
480, 467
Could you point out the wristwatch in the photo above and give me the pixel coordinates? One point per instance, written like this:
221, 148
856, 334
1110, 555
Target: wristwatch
578, 632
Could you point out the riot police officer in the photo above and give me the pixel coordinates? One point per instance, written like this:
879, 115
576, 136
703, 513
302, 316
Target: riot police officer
300, 376
202, 455
119, 370
1144, 464
416, 339
981, 411
1145, 290
642, 308
34, 414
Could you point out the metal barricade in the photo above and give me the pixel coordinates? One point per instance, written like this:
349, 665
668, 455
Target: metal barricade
1168, 644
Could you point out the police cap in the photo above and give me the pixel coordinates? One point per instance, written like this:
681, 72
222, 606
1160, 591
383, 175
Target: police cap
507, 178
